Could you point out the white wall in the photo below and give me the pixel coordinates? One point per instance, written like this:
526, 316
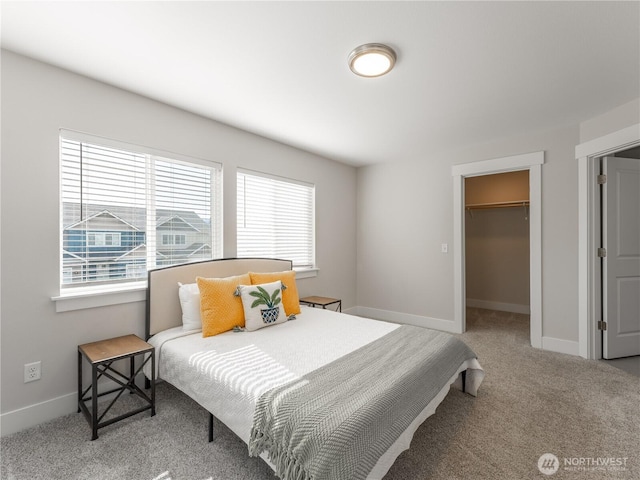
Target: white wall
616, 119
405, 214
38, 100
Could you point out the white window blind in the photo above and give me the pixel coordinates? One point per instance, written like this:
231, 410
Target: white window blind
275, 218
119, 202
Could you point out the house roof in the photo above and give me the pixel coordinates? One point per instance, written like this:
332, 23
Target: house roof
103, 213
141, 250
173, 221
132, 217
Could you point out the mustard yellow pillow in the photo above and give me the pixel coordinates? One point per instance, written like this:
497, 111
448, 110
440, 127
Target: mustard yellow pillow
290, 298
220, 309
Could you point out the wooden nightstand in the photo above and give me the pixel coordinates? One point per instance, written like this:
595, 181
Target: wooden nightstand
322, 302
101, 355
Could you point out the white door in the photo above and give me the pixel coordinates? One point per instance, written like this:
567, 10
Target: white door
621, 266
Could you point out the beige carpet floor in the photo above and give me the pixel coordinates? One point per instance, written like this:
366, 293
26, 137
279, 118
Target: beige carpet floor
531, 403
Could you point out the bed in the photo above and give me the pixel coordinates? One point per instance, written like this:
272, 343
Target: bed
313, 396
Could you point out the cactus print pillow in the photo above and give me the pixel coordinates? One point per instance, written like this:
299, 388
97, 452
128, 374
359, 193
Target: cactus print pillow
262, 305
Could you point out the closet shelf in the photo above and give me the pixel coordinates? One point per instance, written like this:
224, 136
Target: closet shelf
511, 204
515, 203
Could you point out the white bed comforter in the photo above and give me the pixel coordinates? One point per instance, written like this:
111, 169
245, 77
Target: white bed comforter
227, 373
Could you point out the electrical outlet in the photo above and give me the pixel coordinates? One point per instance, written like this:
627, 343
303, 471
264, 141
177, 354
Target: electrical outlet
32, 372
444, 248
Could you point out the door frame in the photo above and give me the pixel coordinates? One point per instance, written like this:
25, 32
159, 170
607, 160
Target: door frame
528, 161
587, 155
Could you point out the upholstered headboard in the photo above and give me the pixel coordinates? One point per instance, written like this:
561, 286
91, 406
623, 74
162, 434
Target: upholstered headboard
163, 304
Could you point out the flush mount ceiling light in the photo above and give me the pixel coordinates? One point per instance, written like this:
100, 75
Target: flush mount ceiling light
372, 60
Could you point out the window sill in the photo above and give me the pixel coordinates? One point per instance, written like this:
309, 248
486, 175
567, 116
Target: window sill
306, 272
92, 297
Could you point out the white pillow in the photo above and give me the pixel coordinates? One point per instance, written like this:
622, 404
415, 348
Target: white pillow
262, 305
190, 302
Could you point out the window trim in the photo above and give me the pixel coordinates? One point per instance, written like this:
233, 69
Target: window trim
95, 296
75, 297
91, 297
134, 148
100, 296
280, 178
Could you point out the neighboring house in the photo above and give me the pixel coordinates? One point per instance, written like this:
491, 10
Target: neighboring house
111, 242
182, 237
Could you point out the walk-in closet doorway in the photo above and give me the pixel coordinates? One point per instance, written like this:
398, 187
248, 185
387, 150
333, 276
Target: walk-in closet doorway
497, 249
531, 162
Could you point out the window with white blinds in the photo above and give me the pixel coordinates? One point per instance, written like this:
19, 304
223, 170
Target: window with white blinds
125, 211
276, 218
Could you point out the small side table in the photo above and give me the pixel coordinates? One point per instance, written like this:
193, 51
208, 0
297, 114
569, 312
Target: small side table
322, 302
101, 355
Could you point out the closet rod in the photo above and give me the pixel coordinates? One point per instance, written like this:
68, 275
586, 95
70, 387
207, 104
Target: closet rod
520, 203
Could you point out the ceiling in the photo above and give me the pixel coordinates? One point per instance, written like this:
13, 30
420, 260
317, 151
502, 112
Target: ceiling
467, 72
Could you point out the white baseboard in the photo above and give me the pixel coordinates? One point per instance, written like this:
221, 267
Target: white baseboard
500, 306
405, 318
548, 343
351, 311
561, 346
27, 417
32, 415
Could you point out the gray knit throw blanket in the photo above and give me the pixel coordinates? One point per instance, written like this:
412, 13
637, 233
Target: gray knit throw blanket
337, 421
